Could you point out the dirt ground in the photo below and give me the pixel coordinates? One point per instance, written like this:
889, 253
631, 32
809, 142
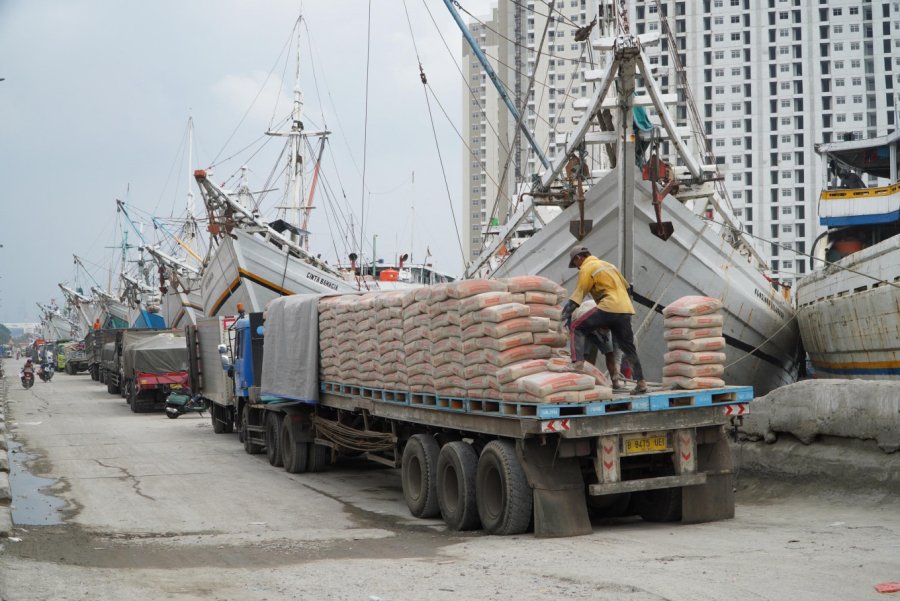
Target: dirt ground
165, 509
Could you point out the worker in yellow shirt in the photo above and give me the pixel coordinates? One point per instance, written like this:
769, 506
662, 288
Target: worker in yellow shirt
614, 310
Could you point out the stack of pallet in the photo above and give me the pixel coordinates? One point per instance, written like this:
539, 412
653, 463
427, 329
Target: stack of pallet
693, 334
479, 339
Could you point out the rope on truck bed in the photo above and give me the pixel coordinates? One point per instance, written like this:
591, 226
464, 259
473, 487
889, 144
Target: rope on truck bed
366, 441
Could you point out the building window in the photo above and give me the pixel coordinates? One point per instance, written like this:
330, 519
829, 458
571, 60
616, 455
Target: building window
786, 139
736, 19
719, 55
736, 177
787, 229
785, 32
785, 156
787, 192
736, 141
787, 210
857, 81
785, 120
738, 195
785, 85
736, 36
785, 103
720, 125
839, 82
719, 90
735, 54
720, 108
854, 28
720, 142
840, 118
719, 37
854, 10
784, 68
857, 116
855, 64
787, 174
854, 45
735, 89
840, 100
720, 72
838, 29
857, 99
784, 50
838, 46
736, 123
737, 159
736, 71
838, 64
719, 20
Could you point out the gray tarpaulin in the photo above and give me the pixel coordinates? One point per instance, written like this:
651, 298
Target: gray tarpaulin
157, 354
291, 348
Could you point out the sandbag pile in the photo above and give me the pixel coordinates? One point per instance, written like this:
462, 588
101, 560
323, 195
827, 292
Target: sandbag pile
478, 339
693, 334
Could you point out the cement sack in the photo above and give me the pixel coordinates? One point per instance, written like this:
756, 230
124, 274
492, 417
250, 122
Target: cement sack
505, 343
518, 297
409, 297
514, 371
436, 294
481, 383
471, 345
505, 328
390, 299
393, 357
467, 288
544, 383
551, 339
419, 333
531, 283
481, 369
551, 312
597, 393
476, 358
482, 301
691, 383
691, 333
388, 324
423, 294
501, 313
387, 346
416, 346
420, 357
388, 313
448, 318
424, 381
451, 382
540, 298
417, 308
698, 345
713, 320
447, 306
445, 332
564, 397
680, 356
456, 392
448, 357
416, 322
447, 345
449, 370
689, 306
420, 369
520, 353
710, 370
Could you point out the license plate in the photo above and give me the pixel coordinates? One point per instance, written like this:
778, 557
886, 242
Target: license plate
652, 443
175, 386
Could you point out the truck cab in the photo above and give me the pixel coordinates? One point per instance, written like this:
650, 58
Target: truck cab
248, 350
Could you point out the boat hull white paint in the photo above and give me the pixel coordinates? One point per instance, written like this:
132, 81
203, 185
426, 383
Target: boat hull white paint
850, 323
694, 261
250, 270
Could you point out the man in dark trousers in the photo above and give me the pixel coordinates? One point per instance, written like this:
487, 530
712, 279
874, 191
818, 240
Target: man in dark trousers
614, 310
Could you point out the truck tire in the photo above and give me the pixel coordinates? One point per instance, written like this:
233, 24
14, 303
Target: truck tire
294, 455
94, 375
222, 422
661, 505
418, 474
251, 448
456, 469
505, 501
319, 457
101, 376
273, 438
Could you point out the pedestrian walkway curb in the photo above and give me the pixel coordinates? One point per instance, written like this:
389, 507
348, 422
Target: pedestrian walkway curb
6, 524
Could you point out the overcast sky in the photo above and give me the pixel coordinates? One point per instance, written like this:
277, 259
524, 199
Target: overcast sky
98, 93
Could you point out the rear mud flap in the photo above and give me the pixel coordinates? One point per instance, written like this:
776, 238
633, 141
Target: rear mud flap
560, 506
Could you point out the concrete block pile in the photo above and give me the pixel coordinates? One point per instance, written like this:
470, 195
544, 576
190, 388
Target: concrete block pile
478, 339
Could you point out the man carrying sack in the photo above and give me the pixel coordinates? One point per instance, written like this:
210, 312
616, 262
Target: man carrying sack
613, 312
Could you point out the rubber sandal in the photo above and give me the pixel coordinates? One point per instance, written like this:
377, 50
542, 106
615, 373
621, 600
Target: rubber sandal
618, 384
642, 390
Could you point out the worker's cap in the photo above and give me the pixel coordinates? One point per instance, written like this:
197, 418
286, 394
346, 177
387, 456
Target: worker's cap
578, 250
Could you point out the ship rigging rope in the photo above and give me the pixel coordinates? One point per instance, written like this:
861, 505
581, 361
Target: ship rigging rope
512, 41
362, 201
761, 344
255, 98
787, 247
437, 145
523, 106
652, 312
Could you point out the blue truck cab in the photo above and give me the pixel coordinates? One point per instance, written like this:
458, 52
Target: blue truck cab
248, 352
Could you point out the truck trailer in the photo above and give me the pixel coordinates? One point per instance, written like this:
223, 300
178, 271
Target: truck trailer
144, 366
502, 465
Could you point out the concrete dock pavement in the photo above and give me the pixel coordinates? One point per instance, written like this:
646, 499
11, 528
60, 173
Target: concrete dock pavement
154, 508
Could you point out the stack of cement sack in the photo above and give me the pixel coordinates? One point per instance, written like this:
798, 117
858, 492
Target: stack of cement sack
693, 334
479, 339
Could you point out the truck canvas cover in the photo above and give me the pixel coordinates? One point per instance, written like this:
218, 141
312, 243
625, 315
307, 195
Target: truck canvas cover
161, 353
291, 348
108, 355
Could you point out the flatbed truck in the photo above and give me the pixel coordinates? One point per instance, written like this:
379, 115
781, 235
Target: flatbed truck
502, 466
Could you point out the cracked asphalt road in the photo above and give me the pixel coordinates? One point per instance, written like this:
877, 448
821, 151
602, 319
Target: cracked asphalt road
165, 509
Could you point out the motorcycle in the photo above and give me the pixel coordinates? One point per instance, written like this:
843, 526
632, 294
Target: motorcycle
46, 372
27, 379
179, 404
